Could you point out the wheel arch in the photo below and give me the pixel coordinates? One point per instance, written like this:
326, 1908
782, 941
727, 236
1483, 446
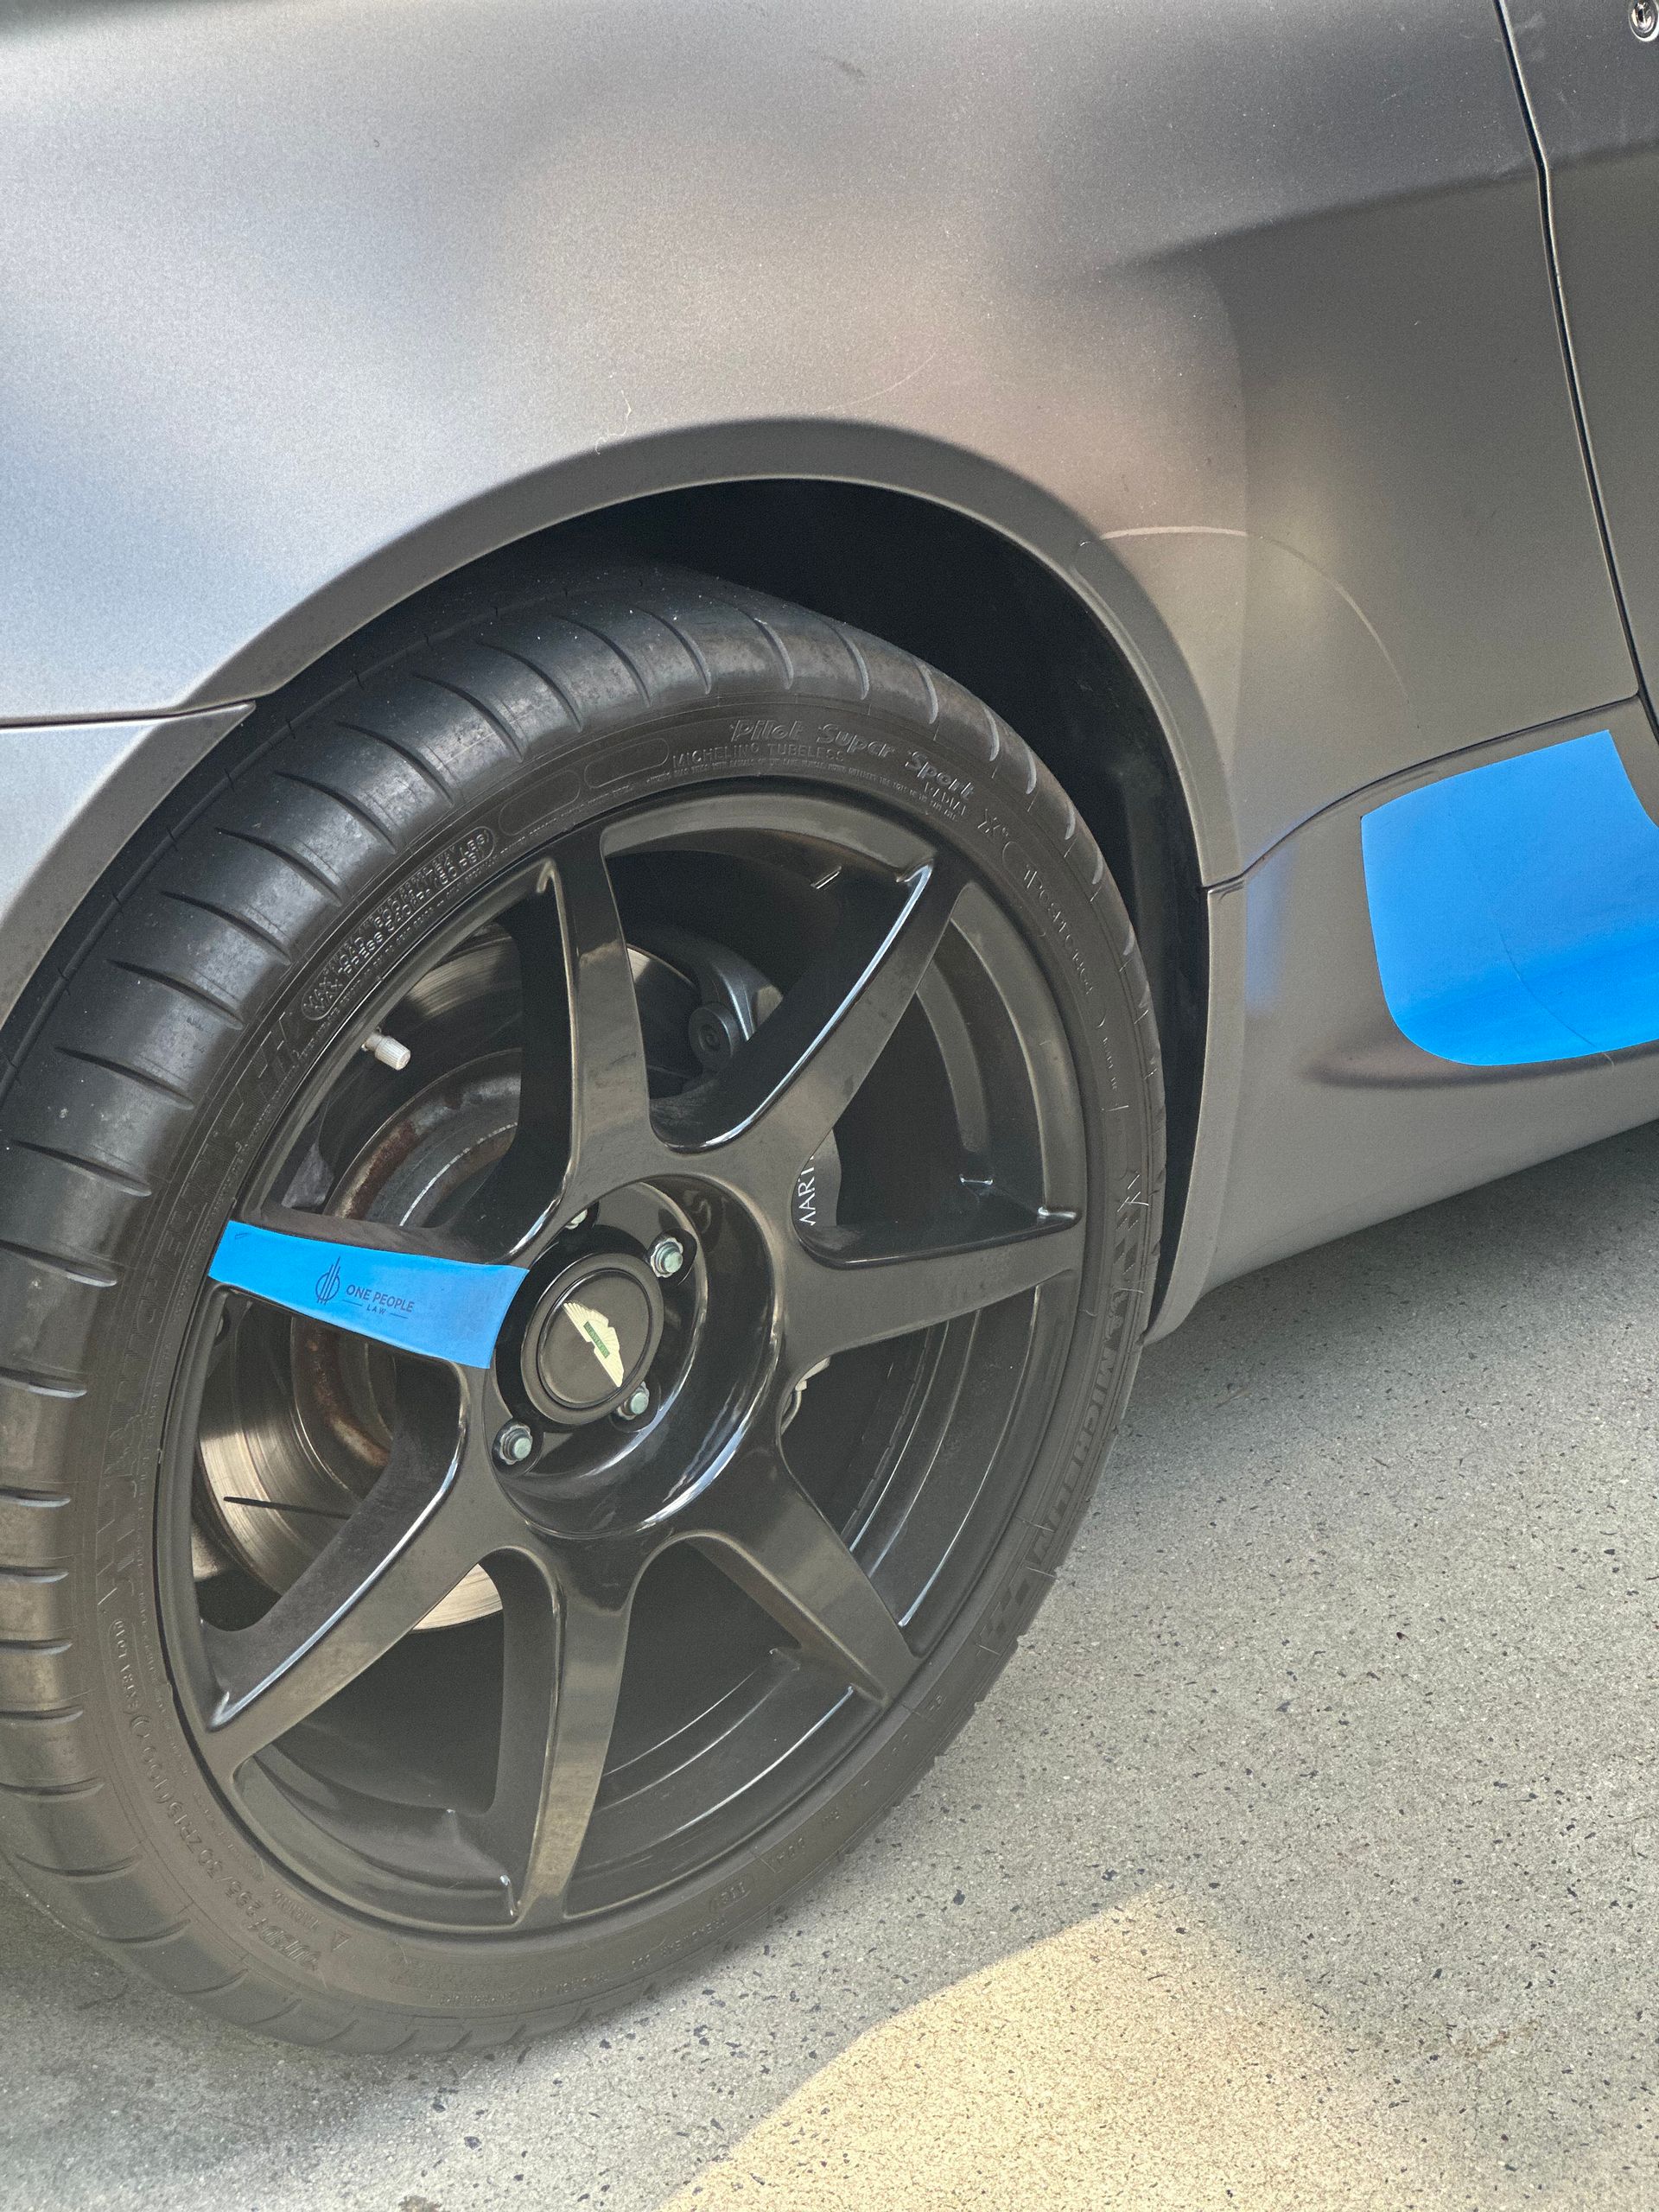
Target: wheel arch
521, 517
980, 572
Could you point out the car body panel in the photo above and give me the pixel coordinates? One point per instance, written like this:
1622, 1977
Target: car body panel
1254, 301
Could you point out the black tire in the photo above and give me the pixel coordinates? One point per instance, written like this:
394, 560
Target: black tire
188, 1027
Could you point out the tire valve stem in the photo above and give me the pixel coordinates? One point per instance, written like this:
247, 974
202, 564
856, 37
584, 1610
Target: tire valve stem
387, 1050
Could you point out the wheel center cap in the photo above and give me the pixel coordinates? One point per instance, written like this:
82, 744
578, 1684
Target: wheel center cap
593, 1335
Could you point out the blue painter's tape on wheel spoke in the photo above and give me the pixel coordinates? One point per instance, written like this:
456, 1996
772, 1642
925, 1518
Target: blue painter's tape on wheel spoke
1515, 909
444, 1309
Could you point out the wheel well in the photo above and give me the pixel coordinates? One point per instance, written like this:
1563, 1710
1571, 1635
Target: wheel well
964, 597
979, 606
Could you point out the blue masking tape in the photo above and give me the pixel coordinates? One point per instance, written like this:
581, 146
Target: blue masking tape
1515, 908
445, 1309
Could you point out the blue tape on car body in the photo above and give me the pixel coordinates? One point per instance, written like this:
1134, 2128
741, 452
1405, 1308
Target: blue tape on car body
1515, 908
444, 1309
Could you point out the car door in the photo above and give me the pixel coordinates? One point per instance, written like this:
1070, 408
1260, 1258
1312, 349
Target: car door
1590, 72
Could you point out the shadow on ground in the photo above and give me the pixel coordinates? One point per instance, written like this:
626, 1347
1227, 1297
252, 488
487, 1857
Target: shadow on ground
1303, 1857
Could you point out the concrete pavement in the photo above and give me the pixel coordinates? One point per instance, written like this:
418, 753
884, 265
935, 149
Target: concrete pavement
1305, 1856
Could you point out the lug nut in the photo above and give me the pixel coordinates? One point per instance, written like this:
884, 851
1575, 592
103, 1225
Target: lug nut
636, 1406
514, 1445
667, 1257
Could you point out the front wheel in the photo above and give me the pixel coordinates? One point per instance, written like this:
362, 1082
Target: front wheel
568, 1263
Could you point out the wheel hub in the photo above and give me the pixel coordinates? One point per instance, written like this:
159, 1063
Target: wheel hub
591, 1339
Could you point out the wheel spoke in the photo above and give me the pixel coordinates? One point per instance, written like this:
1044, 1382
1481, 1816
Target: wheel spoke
789, 1082
399, 1286
612, 1141
761, 1528
518, 1193
584, 1100
846, 1291
544, 1091
566, 1639
430, 1518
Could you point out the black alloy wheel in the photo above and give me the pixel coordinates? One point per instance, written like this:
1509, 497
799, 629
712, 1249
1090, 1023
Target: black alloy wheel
631, 1243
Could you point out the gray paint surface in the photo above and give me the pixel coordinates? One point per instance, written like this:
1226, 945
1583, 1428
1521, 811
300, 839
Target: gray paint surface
1593, 92
1243, 310
1337, 1683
